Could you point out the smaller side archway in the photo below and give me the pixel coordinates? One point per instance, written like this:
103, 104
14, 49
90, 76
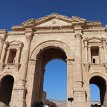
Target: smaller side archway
6, 87
101, 84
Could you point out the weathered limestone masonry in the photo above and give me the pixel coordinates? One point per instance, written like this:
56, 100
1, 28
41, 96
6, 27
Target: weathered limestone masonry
26, 50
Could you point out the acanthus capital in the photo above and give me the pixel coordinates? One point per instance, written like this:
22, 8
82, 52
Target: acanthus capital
78, 36
69, 61
28, 36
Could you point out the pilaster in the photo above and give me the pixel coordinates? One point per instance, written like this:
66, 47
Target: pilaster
78, 61
30, 82
23, 71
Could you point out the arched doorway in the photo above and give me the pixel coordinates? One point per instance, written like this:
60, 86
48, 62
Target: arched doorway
6, 86
43, 58
100, 84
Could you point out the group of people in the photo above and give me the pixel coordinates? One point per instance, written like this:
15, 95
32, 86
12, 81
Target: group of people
40, 104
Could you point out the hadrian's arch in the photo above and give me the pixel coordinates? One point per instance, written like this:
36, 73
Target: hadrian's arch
41, 55
28, 47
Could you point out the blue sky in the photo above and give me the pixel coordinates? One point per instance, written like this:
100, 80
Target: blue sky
14, 12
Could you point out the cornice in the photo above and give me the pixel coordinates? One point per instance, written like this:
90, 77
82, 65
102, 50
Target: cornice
94, 29
72, 22
17, 28
3, 31
11, 33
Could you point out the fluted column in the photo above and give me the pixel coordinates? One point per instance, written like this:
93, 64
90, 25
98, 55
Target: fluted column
18, 53
2, 39
7, 56
86, 50
69, 81
101, 54
3, 55
78, 60
89, 54
105, 52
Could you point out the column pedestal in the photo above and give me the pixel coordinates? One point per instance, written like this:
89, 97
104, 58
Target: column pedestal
18, 97
79, 98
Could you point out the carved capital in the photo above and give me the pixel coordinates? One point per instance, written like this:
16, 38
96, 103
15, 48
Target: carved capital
21, 45
6, 44
78, 36
3, 34
105, 65
28, 33
70, 61
17, 65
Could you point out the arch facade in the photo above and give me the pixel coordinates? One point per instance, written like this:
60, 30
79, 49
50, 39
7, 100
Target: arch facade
26, 49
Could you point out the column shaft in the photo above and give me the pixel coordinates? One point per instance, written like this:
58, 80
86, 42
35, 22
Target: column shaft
4, 52
78, 61
69, 81
89, 54
7, 56
101, 54
85, 50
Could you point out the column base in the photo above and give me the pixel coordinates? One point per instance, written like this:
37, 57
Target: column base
69, 104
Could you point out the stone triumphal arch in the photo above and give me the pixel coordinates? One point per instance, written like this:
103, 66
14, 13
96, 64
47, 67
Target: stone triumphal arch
25, 51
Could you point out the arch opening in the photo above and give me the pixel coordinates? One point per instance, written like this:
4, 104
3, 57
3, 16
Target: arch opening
45, 56
97, 91
55, 80
6, 87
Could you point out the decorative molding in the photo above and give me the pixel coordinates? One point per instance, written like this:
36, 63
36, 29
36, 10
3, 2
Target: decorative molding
79, 36
55, 44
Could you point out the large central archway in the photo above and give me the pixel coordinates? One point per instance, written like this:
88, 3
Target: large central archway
40, 56
43, 58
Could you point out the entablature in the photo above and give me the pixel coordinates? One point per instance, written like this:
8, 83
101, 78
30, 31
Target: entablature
58, 22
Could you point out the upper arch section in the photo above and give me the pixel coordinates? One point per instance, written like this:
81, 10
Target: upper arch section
52, 43
97, 74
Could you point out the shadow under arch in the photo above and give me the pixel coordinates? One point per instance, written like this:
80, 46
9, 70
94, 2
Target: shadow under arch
6, 87
101, 83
